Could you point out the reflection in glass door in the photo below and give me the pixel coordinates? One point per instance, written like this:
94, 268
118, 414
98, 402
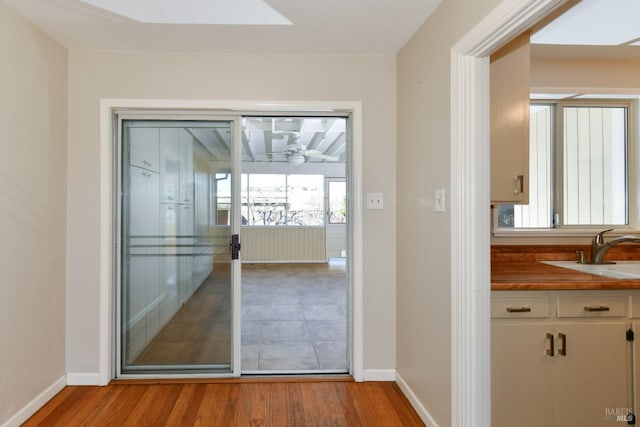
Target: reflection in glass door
176, 270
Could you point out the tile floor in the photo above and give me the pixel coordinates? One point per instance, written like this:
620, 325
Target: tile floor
294, 318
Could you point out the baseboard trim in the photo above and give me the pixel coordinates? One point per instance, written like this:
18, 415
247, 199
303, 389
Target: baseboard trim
379, 374
413, 399
83, 378
38, 402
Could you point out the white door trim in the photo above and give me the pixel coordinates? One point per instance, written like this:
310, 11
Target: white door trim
107, 235
470, 214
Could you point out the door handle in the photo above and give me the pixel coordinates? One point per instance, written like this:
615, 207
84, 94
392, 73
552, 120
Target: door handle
550, 350
235, 246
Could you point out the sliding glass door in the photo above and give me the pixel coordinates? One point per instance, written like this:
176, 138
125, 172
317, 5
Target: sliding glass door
178, 226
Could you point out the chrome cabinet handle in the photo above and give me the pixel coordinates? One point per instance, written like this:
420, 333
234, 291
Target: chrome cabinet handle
597, 308
550, 350
563, 340
522, 309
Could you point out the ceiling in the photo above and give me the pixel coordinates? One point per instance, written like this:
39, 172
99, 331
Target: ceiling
278, 140
594, 23
239, 26
272, 140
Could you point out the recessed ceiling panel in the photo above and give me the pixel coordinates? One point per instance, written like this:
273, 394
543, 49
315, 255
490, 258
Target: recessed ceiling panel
593, 22
221, 12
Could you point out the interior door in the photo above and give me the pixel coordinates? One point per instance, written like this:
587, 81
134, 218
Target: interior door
178, 293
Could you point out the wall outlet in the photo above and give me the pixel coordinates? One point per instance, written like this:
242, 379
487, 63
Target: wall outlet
439, 200
374, 201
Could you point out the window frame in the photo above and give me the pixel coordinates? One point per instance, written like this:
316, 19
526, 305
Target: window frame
632, 161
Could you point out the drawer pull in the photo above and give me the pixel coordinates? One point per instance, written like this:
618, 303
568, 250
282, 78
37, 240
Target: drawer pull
519, 309
591, 308
550, 351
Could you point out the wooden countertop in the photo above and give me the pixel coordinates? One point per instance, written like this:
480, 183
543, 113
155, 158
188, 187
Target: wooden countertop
516, 268
534, 275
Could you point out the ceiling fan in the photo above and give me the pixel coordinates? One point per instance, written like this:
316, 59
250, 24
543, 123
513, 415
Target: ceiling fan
297, 154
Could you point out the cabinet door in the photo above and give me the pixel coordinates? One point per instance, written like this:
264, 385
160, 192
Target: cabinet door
521, 374
593, 378
636, 361
169, 165
186, 167
144, 148
509, 95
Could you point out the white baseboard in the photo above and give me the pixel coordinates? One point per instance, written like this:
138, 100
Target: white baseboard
38, 402
379, 375
413, 399
83, 378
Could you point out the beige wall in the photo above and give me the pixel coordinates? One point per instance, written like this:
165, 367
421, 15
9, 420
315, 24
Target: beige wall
94, 75
605, 75
33, 119
423, 248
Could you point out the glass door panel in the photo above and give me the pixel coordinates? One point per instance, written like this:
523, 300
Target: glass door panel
177, 273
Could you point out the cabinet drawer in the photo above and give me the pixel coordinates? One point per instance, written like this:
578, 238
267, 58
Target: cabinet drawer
592, 306
635, 306
528, 307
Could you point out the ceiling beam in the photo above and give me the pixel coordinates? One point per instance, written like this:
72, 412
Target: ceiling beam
268, 143
213, 156
316, 139
247, 147
335, 145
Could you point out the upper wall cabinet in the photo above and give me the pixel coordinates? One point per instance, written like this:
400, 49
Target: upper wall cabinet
510, 122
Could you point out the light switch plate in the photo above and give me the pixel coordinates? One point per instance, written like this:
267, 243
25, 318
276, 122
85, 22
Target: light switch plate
375, 201
439, 200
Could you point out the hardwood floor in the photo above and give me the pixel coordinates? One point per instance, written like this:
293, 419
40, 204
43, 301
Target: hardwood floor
241, 403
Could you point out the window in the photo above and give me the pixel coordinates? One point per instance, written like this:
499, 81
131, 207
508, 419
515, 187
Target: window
279, 199
337, 202
578, 169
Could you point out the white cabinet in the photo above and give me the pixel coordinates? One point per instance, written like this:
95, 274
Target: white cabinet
559, 358
144, 261
162, 243
176, 166
169, 165
144, 148
521, 375
186, 167
509, 128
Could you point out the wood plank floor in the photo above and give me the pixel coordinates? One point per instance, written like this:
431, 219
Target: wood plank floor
285, 403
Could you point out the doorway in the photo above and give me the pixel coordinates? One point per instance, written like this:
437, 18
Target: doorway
294, 292
178, 296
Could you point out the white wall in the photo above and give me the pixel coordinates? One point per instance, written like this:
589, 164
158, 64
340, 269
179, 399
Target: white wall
94, 75
423, 245
33, 119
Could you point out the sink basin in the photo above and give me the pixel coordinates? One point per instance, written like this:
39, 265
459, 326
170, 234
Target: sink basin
619, 270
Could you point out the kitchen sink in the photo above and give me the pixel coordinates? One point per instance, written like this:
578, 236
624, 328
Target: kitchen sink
619, 270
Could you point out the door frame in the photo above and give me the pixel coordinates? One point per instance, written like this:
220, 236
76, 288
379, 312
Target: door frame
109, 252
234, 120
470, 216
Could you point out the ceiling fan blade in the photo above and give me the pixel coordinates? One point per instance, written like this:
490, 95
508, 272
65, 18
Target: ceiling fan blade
318, 155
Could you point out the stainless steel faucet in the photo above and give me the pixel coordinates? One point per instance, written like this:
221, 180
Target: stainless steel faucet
599, 248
